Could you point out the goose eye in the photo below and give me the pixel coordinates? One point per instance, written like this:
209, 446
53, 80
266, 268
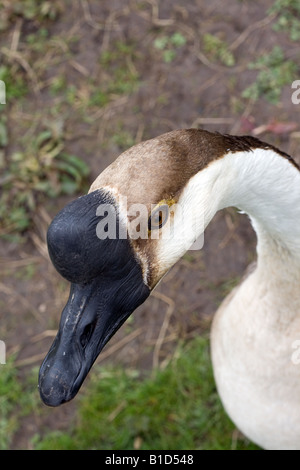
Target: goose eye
158, 217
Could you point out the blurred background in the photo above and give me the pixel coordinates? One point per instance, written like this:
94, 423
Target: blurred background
85, 80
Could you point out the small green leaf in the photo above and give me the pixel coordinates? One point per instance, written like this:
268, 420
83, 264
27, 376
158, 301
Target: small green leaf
178, 40
161, 43
3, 133
169, 56
68, 186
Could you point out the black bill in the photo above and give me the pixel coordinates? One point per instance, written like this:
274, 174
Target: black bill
107, 286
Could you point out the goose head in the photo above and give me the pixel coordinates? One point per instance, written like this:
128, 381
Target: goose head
115, 244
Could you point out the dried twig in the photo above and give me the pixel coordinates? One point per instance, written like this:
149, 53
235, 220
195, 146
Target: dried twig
164, 327
18, 263
16, 35
108, 352
216, 121
230, 234
30, 360
40, 245
88, 17
116, 411
155, 15
80, 68
23, 300
43, 335
17, 56
252, 27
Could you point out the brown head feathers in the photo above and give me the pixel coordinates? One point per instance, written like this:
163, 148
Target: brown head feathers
159, 168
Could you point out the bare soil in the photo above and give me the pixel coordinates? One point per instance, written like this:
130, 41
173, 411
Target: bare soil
190, 91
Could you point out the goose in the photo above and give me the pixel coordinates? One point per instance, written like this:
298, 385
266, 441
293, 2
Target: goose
184, 177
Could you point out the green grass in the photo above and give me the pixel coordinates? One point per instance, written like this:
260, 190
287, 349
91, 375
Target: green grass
19, 398
15, 82
218, 49
177, 408
10, 391
274, 72
39, 166
120, 76
288, 17
169, 45
43, 169
28, 9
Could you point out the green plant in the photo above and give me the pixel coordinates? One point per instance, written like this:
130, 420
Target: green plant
288, 17
169, 45
28, 9
218, 49
10, 391
122, 138
176, 408
14, 79
3, 132
274, 72
120, 74
58, 84
42, 170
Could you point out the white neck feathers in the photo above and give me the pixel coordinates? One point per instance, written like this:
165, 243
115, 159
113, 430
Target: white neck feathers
267, 187
263, 184
254, 330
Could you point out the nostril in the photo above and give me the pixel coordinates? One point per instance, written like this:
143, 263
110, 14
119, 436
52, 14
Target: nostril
87, 333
